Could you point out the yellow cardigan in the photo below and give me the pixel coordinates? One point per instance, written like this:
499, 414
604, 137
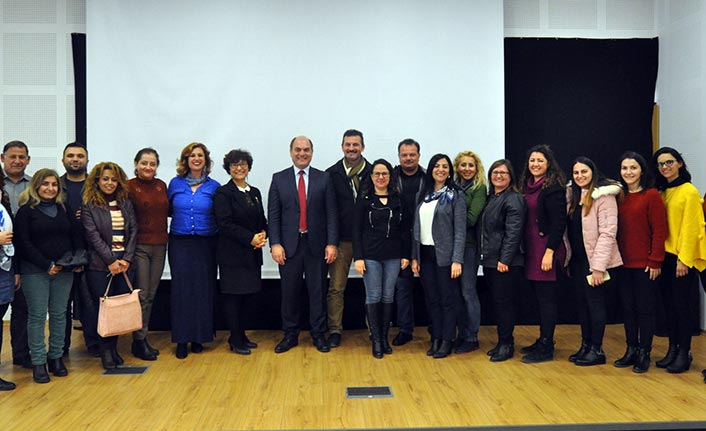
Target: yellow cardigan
687, 231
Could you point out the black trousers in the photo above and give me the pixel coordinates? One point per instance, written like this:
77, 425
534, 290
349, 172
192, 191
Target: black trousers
548, 306
501, 285
675, 294
442, 294
3, 310
233, 313
638, 298
299, 269
590, 302
18, 328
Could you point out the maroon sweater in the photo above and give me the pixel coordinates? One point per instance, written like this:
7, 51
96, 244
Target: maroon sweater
151, 209
642, 229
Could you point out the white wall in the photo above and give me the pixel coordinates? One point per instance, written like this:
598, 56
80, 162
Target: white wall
680, 84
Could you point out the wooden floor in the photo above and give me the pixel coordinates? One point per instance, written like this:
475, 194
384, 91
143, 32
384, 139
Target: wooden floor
305, 389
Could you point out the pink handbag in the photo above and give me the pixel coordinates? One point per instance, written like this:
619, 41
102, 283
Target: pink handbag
119, 314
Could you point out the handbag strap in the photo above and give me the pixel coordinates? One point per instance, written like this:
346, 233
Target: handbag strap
127, 280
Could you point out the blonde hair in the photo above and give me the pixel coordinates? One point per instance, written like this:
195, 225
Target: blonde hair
183, 162
92, 194
479, 178
31, 196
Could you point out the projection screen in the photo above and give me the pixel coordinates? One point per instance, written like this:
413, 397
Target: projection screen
254, 74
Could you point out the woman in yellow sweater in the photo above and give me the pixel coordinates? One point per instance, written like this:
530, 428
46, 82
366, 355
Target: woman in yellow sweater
685, 253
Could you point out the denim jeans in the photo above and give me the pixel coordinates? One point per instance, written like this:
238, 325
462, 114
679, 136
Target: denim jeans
380, 278
469, 310
46, 293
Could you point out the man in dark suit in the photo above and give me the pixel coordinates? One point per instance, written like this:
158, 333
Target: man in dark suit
303, 232
350, 176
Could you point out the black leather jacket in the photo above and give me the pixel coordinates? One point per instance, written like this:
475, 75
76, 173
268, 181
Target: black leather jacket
501, 229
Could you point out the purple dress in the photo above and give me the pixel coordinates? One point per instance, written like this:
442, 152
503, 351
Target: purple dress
535, 245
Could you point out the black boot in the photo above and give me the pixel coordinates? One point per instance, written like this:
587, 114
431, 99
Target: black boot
107, 358
141, 351
681, 363
39, 373
595, 356
57, 367
374, 311
504, 352
581, 352
493, 351
642, 362
7, 386
628, 358
531, 348
182, 350
542, 352
444, 349
669, 357
151, 349
385, 327
435, 346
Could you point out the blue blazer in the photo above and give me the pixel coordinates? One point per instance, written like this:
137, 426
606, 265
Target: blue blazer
283, 212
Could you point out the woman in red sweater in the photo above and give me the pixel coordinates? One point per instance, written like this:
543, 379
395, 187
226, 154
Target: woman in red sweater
148, 195
642, 230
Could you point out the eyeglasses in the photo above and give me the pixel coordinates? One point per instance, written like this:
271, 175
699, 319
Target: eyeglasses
666, 163
499, 173
381, 174
239, 165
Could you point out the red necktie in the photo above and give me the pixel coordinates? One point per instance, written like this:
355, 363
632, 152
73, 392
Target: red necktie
301, 189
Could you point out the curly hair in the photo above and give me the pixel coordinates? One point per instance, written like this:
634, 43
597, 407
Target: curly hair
235, 156
554, 175
92, 194
479, 178
31, 196
183, 161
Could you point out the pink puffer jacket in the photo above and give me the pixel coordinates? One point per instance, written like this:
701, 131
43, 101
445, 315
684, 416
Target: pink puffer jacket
600, 228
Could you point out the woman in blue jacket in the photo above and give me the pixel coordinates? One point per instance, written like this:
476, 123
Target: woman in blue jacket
439, 241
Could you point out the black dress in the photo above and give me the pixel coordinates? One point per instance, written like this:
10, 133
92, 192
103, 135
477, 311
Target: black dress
239, 216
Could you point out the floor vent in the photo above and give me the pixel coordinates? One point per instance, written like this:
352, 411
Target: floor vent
125, 370
369, 392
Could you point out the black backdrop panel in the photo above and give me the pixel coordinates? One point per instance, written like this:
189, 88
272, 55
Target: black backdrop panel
591, 97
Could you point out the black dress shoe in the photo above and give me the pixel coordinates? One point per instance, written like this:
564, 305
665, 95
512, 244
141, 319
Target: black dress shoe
669, 357
107, 358
116, 356
595, 356
401, 339
581, 352
444, 349
642, 363
151, 349
241, 350
334, 340
467, 346
435, 346
141, 351
182, 350
681, 363
39, 374
493, 351
249, 344
505, 352
6, 386
628, 358
196, 347
286, 344
57, 367
321, 344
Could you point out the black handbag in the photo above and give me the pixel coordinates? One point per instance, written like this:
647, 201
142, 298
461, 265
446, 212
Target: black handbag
73, 258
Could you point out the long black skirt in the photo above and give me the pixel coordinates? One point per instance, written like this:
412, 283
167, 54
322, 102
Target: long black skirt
192, 261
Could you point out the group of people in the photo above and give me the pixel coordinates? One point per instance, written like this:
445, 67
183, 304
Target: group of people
66, 238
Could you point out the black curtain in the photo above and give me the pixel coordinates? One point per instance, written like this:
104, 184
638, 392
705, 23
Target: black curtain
591, 97
78, 46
